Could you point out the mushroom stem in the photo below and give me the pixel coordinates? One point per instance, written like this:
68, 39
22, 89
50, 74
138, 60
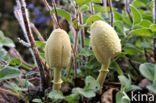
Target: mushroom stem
57, 79
103, 73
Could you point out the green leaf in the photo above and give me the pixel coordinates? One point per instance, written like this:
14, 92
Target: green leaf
117, 16
131, 49
136, 15
72, 98
153, 27
126, 20
3, 53
119, 70
9, 73
145, 23
37, 101
91, 87
55, 95
143, 32
40, 44
121, 97
81, 2
152, 88
84, 8
138, 3
92, 19
85, 93
15, 62
96, 1
91, 84
85, 52
148, 70
62, 13
119, 27
14, 87
98, 8
4, 41
125, 83
1, 34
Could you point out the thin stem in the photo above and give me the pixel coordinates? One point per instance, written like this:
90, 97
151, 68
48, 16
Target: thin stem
14, 53
49, 8
56, 14
133, 65
111, 13
75, 53
105, 7
9, 92
19, 17
127, 10
154, 21
33, 45
40, 37
24, 43
82, 30
103, 73
82, 35
92, 8
57, 79
154, 44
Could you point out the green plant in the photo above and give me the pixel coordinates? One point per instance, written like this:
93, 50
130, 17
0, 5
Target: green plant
89, 91
148, 70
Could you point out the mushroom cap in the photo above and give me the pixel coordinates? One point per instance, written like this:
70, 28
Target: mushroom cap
104, 41
58, 49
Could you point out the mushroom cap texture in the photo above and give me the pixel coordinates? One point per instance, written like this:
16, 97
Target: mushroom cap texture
104, 41
58, 49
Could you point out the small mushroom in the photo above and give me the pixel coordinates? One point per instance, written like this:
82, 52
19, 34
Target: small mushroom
105, 44
58, 54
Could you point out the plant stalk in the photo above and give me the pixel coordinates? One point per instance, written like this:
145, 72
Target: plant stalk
33, 45
111, 13
103, 73
57, 79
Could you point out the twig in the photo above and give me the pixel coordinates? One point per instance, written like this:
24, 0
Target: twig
74, 61
40, 37
82, 36
131, 63
111, 13
154, 44
52, 16
82, 29
28, 45
75, 52
19, 17
56, 15
33, 45
154, 21
9, 92
127, 10
92, 8
149, 58
105, 7
15, 54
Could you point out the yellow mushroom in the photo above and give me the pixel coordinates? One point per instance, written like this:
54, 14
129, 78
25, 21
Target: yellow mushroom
58, 54
105, 44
